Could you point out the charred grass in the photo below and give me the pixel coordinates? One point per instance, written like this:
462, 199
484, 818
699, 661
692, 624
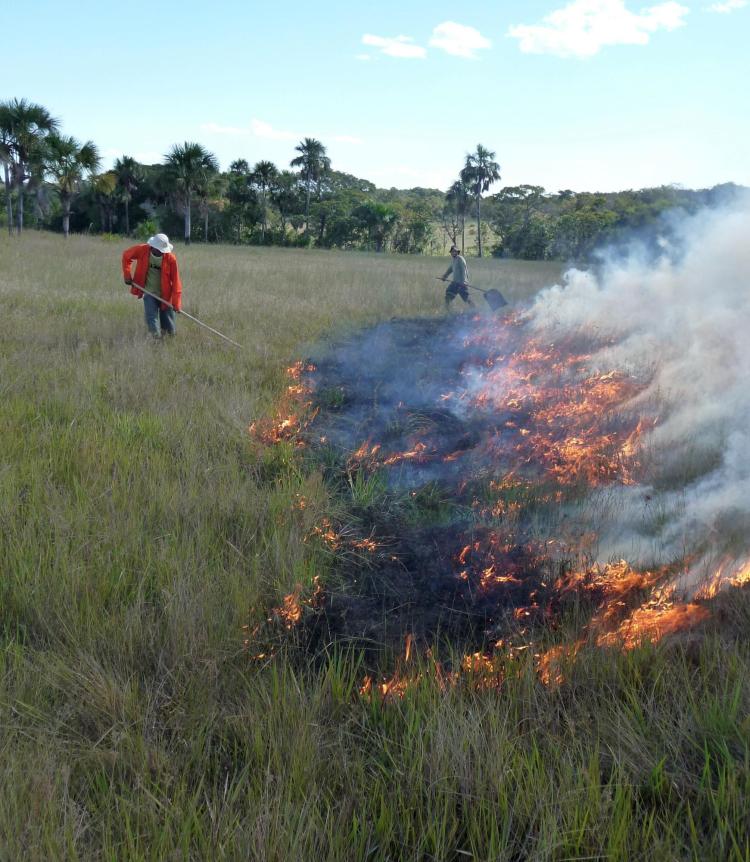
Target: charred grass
145, 541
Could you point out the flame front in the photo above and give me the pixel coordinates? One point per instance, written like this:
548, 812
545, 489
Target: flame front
526, 425
292, 413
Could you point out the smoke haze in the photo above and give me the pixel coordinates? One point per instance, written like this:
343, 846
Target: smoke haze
624, 389
681, 323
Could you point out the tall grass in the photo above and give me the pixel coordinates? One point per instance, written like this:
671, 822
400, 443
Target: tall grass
140, 530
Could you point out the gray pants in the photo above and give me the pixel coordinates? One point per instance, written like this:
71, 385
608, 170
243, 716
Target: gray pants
454, 289
158, 321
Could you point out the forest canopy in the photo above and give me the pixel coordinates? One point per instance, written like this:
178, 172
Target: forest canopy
56, 182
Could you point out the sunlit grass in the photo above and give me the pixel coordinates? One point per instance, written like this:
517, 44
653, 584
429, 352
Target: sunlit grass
141, 530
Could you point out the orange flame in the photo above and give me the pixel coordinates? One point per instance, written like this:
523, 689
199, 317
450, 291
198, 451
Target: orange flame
291, 414
292, 605
550, 663
653, 622
565, 413
729, 573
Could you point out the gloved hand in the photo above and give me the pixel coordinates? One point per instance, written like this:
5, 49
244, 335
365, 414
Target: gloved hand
128, 280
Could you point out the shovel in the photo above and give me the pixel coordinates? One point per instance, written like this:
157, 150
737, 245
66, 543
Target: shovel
493, 297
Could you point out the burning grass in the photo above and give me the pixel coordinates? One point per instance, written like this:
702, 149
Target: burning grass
510, 433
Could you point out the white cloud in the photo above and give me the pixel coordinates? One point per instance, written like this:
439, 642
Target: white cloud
458, 39
261, 129
216, 129
398, 46
584, 27
148, 157
728, 6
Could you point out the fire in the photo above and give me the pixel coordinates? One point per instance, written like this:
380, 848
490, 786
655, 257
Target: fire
399, 683
464, 554
326, 532
289, 613
742, 577
634, 606
364, 453
476, 669
454, 456
292, 413
653, 622
572, 422
550, 663
336, 540
527, 423
492, 562
366, 545
492, 578
291, 609
370, 455
419, 452
480, 671
729, 573
297, 369
272, 431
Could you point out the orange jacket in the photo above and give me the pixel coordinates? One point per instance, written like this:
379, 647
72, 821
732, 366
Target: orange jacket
171, 286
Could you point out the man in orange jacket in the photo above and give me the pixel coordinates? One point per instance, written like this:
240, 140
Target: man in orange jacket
156, 271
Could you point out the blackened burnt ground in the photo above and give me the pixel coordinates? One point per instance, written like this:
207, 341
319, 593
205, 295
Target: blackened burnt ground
437, 542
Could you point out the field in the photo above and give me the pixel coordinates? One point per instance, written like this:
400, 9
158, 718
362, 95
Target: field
145, 533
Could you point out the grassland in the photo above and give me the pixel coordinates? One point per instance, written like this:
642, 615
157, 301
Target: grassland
141, 530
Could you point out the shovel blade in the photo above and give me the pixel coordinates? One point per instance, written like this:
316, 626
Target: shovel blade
495, 299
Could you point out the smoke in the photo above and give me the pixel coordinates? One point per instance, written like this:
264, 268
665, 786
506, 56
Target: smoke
643, 348
681, 323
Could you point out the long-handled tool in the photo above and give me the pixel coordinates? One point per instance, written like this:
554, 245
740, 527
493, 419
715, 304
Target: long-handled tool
189, 316
494, 298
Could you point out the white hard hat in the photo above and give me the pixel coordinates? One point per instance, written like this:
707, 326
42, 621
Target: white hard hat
160, 242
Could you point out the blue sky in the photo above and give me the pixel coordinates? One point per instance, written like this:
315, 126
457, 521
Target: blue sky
581, 94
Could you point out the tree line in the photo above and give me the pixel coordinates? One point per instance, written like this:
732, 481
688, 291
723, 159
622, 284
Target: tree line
55, 181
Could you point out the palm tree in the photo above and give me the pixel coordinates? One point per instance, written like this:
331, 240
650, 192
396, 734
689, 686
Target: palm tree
106, 188
209, 185
68, 162
239, 194
23, 127
188, 165
240, 167
264, 175
457, 198
313, 163
5, 160
285, 194
129, 175
479, 173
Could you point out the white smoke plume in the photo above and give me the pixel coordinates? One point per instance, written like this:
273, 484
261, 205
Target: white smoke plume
682, 321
